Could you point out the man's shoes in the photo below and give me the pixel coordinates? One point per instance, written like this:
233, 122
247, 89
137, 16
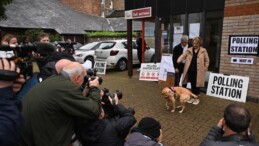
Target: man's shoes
196, 101
139, 69
191, 100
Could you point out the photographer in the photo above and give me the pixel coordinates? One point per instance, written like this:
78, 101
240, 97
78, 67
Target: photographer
50, 108
109, 130
232, 130
10, 113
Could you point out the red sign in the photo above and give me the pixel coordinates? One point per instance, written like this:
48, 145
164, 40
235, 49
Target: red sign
138, 13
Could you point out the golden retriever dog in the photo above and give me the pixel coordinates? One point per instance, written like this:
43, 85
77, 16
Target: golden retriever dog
172, 93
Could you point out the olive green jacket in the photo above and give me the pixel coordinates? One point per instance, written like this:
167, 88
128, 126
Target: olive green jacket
49, 110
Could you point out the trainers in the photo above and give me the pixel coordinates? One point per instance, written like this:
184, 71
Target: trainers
190, 100
196, 101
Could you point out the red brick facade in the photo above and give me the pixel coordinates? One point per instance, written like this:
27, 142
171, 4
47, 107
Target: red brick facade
92, 7
241, 17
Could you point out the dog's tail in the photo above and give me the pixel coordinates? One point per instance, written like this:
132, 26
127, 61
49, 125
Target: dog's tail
195, 96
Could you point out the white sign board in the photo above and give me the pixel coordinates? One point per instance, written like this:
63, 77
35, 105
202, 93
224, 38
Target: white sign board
194, 30
100, 66
138, 13
166, 66
242, 60
228, 87
243, 45
177, 39
149, 71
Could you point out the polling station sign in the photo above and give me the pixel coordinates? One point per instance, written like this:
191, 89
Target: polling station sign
149, 71
228, 87
243, 45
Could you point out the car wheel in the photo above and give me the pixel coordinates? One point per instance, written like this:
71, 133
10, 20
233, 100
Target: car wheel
122, 64
90, 59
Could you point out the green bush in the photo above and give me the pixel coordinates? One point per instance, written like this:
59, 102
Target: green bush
108, 34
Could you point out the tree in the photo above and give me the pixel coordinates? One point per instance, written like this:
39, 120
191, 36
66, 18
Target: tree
2, 8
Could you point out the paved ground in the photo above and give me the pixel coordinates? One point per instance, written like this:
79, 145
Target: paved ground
186, 129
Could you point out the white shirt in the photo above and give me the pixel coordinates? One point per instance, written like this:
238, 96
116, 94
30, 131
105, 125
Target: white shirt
184, 49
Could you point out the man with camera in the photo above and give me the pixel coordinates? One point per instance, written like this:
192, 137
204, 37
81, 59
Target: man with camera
233, 129
50, 108
10, 113
112, 127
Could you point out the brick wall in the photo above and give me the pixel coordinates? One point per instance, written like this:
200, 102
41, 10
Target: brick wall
92, 7
118, 4
241, 17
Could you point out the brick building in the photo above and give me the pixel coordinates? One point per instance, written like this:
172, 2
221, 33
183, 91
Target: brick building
241, 18
96, 7
216, 22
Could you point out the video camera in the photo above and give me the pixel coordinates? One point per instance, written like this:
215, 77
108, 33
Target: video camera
18, 53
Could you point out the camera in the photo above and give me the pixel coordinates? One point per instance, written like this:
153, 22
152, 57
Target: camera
107, 94
21, 54
118, 92
91, 75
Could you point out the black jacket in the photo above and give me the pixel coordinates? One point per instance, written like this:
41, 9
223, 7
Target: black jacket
178, 51
215, 138
10, 118
108, 131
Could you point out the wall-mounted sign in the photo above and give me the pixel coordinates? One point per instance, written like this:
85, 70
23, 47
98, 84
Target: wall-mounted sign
242, 60
138, 13
228, 87
243, 45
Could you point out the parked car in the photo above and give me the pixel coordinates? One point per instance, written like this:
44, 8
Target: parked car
86, 52
115, 53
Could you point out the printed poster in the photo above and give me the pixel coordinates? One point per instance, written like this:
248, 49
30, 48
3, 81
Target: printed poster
149, 71
166, 66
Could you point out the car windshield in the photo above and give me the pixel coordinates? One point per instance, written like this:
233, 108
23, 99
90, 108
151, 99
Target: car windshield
107, 45
88, 46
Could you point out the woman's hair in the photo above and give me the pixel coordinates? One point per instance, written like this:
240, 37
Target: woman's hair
198, 40
7, 38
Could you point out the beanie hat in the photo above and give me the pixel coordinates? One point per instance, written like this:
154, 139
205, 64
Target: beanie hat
150, 127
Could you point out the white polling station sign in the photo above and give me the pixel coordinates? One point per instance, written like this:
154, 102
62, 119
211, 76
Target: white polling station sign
228, 87
243, 45
149, 71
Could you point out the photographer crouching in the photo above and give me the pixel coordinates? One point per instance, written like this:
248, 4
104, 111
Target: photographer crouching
10, 113
113, 125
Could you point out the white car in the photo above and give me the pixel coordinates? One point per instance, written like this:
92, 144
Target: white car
115, 53
86, 52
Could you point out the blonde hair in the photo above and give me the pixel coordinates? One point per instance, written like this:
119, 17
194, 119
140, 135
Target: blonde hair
198, 40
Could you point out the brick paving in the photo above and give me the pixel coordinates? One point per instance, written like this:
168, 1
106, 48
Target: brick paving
186, 129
